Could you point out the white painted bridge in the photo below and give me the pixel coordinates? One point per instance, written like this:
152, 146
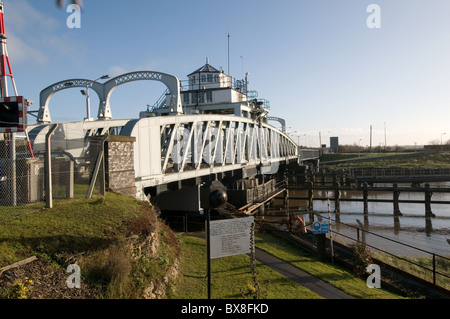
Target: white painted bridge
175, 148
176, 142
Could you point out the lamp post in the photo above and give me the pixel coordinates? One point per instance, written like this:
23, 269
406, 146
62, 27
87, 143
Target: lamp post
86, 93
359, 150
441, 139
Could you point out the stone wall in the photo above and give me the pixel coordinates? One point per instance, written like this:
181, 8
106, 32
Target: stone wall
119, 162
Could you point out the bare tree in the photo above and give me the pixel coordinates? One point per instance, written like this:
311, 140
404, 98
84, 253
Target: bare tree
434, 142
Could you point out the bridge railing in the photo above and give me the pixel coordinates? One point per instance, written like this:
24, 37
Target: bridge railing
307, 154
398, 172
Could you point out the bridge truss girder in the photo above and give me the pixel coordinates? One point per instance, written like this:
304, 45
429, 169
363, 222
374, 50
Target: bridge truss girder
104, 92
170, 149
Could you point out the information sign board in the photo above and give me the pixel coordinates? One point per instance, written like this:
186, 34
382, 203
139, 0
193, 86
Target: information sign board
320, 228
230, 237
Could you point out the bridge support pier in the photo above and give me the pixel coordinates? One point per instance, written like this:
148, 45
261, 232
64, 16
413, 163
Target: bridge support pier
428, 194
396, 194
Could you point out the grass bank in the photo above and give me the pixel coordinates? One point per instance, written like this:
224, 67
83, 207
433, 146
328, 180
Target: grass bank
94, 232
97, 228
231, 275
389, 160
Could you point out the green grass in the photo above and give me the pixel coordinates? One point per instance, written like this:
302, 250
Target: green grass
228, 276
335, 275
96, 225
70, 227
420, 267
413, 160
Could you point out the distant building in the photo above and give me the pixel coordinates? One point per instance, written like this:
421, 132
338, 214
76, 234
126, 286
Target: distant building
334, 144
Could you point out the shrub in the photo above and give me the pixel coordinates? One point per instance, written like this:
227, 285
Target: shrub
18, 290
361, 257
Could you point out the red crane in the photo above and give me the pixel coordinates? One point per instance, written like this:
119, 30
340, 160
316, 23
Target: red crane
5, 99
5, 65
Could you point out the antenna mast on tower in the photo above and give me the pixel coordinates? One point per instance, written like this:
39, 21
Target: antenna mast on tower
5, 66
228, 53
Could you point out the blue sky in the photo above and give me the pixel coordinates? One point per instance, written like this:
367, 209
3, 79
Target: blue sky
316, 61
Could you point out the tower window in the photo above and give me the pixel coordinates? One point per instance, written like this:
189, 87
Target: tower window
194, 97
209, 78
203, 78
209, 97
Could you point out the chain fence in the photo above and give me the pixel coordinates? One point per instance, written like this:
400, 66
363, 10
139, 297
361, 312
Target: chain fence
22, 176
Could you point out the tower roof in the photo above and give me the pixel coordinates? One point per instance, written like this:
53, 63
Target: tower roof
207, 68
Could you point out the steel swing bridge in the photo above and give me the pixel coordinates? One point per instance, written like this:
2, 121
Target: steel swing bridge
175, 147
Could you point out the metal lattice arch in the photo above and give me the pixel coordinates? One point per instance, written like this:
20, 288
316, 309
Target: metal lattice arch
104, 91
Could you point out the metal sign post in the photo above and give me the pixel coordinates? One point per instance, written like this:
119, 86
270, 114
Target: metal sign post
208, 250
217, 197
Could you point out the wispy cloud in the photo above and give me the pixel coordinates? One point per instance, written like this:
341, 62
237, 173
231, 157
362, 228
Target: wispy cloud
22, 52
117, 70
152, 65
33, 34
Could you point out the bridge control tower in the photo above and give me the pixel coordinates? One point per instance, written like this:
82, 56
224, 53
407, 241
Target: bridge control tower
212, 91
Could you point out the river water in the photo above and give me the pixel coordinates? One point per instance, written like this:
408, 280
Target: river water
412, 228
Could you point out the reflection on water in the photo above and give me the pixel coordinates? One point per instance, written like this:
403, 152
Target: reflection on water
412, 227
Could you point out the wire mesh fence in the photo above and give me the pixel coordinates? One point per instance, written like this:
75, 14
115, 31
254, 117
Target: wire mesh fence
22, 177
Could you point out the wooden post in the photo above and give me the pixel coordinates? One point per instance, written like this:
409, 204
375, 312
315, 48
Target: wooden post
343, 178
361, 225
310, 197
286, 200
428, 194
99, 168
365, 198
321, 246
337, 198
396, 194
